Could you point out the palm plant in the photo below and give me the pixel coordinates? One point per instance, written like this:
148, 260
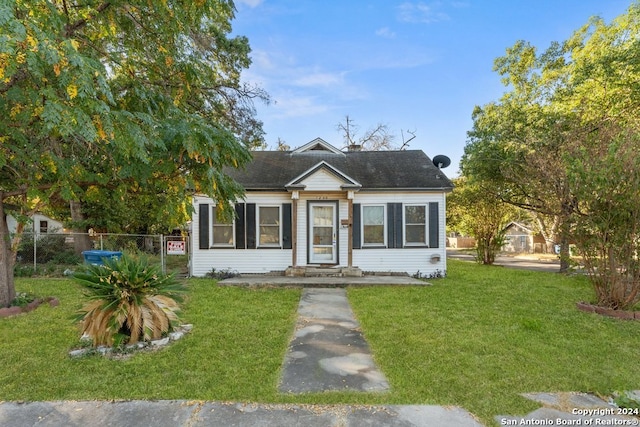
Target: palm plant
129, 301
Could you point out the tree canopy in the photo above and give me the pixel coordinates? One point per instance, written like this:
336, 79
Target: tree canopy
119, 97
563, 141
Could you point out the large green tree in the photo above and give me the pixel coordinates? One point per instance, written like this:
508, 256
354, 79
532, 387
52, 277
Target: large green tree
561, 143
473, 211
118, 95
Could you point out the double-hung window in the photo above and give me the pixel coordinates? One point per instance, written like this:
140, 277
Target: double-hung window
269, 226
373, 219
222, 232
415, 225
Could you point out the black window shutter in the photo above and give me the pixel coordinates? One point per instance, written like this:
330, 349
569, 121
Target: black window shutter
391, 231
240, 226
394, 226
286, 225
434, 231
250, 221
356, 227
397, 224
203, 225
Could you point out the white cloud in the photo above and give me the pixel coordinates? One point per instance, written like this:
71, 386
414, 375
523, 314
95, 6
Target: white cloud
386, 33
261, 59
289, 104
421, 12
319, 79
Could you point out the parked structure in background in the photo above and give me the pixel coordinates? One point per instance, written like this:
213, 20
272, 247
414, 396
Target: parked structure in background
520, 238
456, 241
40, 224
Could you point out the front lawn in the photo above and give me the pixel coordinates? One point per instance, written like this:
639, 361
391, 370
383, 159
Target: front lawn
475, 339
485, 334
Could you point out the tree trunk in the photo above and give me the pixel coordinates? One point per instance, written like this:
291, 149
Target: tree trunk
7, 260
565, 256
81, 241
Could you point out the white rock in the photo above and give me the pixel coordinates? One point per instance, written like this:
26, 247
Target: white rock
161, 342
104, 350
175, 336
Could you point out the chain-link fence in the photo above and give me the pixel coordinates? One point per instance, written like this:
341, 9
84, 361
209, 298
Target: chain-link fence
57, 254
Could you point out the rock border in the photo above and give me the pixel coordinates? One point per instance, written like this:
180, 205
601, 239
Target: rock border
111, 352
608, 312
15, 310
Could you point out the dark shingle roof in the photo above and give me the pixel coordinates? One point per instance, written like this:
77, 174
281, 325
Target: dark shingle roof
375, 170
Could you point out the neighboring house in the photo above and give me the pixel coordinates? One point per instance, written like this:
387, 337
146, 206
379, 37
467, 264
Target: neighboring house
317, 206
40, 224
456, 241
520, 238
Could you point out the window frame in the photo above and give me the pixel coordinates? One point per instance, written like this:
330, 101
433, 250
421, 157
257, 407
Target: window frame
384, 225
215, 223
405, 224
278, 224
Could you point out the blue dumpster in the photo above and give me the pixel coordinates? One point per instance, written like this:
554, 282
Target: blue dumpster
97, 257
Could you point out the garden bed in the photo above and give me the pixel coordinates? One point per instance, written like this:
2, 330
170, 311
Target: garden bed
15, 310
609, 312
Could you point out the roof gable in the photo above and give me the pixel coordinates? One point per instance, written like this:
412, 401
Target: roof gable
318, 145
323, 177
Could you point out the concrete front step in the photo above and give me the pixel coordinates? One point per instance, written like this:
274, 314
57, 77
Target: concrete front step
306, 271
323, 272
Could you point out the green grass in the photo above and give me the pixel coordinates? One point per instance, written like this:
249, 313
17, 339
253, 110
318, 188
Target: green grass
475, 339
234, 351
485, 334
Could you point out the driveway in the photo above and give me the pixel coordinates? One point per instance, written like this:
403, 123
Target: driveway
523, 262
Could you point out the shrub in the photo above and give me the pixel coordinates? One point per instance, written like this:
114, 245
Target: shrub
49, 247
130, 300
22, 299
222, 274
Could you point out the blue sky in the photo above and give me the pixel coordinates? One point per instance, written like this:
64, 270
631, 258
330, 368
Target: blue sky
417, 66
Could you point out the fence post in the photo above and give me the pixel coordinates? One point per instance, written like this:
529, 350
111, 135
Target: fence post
35, 252
162, 263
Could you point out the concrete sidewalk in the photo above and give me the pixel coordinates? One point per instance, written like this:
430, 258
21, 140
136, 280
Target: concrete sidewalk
183, 413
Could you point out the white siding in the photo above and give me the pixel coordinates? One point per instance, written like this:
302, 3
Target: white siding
322, 180
34, 224
427, 261
240, 260
407, 260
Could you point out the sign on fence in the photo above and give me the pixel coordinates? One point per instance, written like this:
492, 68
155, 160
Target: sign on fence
176, 247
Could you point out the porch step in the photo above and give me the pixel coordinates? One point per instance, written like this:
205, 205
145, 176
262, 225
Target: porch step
323, 272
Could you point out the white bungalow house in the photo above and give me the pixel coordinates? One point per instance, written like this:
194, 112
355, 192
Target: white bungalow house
317, 206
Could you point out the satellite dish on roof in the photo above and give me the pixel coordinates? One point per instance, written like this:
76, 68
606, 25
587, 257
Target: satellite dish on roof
441, 161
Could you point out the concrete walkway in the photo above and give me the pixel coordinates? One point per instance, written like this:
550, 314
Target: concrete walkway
328, 351
257, 280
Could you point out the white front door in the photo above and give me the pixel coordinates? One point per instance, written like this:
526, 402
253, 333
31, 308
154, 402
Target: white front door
322, 233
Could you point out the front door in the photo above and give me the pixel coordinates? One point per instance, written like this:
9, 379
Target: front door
322, 233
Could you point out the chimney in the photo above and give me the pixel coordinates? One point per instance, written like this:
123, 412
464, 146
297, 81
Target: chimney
355, 147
